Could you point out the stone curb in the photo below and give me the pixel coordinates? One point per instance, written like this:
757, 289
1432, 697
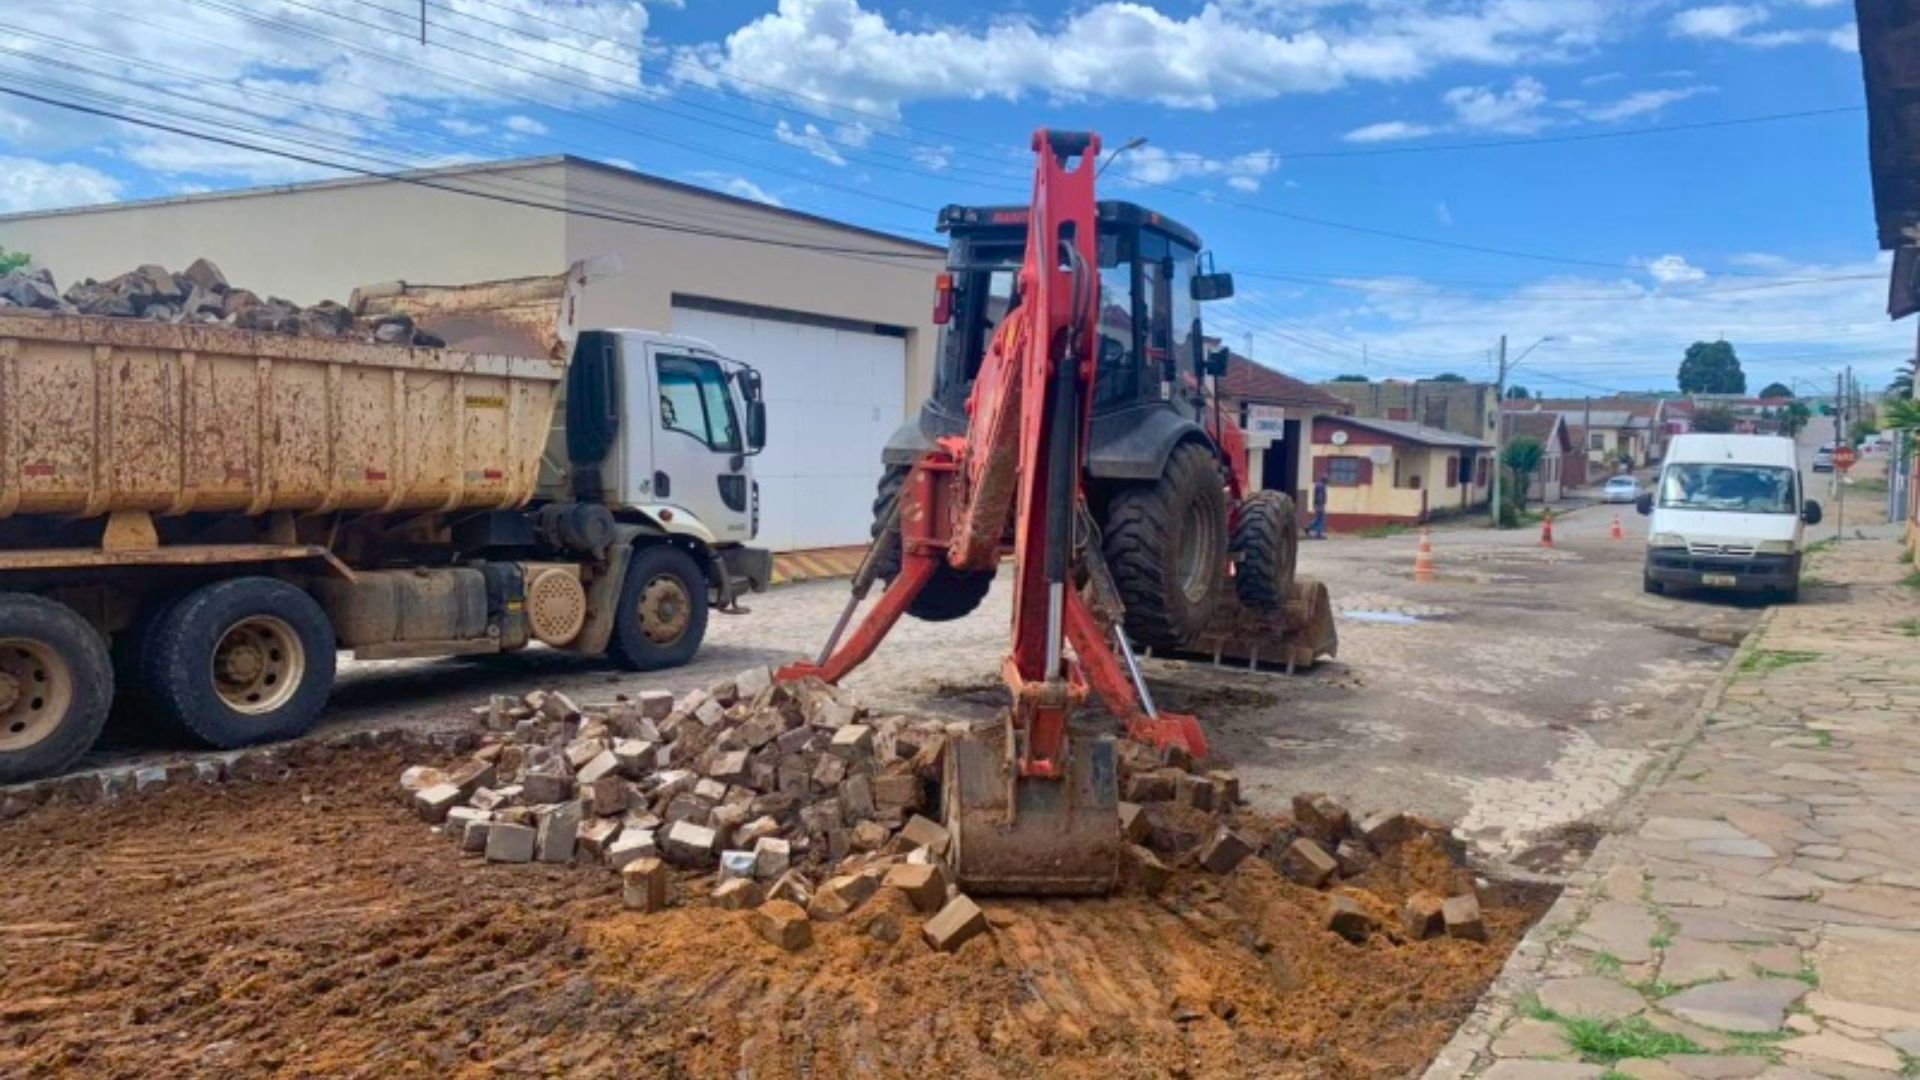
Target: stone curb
273, 764
1470, 1048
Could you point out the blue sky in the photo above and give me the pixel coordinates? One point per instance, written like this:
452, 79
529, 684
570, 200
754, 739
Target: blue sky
1333, 152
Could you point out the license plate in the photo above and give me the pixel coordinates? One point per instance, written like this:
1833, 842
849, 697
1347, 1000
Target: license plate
1721, 580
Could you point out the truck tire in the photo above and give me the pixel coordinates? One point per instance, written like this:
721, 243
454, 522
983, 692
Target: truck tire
950, 594
240, 662
1648, 585
1267, 542
1166, 543
133, 704
56, 685
663, 610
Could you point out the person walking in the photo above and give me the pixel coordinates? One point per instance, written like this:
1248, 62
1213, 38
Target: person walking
1318, 528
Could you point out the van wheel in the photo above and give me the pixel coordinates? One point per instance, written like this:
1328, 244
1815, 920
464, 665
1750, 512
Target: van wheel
241, 662
663, 610
56, 685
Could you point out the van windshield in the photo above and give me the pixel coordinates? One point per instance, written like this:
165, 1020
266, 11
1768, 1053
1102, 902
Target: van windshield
1743, 489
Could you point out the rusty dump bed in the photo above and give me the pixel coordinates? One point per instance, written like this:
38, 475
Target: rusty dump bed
100, 415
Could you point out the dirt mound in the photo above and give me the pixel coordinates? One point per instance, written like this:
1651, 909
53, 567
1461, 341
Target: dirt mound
312, 927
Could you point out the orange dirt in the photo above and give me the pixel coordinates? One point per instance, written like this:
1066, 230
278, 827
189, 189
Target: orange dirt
312, 928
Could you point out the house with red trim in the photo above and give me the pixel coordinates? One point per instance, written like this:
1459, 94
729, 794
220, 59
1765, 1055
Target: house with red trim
1277, 412
1396, 472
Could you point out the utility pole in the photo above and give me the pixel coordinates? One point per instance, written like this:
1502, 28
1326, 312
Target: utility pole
1499, 428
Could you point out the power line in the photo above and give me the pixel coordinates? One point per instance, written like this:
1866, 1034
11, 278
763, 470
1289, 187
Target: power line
421, 181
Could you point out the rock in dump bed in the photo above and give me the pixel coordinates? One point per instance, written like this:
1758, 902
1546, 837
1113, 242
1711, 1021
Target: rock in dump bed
293, 921
200, 295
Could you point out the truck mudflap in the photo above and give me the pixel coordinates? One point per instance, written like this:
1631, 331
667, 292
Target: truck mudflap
751, 565
1294, 638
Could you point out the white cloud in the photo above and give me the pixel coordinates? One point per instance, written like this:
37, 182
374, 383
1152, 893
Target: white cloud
251, 64
46, 185
1718, 21
1444, 213
932, 158
1389, 131
1242, 172
811, 139
1673, 270
1641, 103
1616, 331
747, 189
1513, 111
525, 125
1124, 50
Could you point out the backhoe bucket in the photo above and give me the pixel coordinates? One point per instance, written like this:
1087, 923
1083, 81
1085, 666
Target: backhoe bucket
1030, 836
1292, 639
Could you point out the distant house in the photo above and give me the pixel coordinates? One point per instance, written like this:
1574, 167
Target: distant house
1549, 429
1394, 472
1278, 413
1606, 431
1464, 408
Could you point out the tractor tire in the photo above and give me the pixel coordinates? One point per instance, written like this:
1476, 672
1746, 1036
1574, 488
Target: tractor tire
1267, 542
950, 594
1166, 544
56, 685
243, 661
663, 610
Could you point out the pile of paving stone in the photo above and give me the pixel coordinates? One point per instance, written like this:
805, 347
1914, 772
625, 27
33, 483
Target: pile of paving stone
200, 294
791, 800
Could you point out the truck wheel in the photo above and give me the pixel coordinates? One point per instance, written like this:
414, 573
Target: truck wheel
242, 662
133, 700
1647, 584
1267, 540
663, 610
950, 594
1166, 543
56, 685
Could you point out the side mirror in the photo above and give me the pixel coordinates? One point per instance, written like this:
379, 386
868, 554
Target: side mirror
1644, 503
756, 425
1212, 286
1216, 361
1810, 512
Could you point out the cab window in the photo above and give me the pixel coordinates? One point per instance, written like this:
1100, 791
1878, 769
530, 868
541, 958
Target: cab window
1116, 374
694, 401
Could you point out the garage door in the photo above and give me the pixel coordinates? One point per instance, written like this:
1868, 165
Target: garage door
834, 394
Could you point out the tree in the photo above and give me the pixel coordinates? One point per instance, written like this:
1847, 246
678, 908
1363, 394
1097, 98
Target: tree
1902, 414
12, 260
1713, 420
1518, 393
1903, 379
1448, 376
1861, 428
1710, 367
1522, 459
1794, 417
1350, 378
1777, 390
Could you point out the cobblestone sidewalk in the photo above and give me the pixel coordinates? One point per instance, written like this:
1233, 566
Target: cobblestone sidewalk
1757, 913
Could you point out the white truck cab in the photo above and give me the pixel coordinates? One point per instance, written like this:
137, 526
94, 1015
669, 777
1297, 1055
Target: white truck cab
1728, 512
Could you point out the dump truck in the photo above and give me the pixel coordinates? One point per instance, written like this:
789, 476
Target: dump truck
195, 519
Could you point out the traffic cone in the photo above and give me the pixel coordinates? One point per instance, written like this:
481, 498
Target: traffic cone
1618, 534
1546, 530
1423, 558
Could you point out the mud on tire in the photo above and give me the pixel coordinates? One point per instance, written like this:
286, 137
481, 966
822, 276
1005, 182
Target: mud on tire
950, 594
244, 661
56, 684
1166, 543
1267, 542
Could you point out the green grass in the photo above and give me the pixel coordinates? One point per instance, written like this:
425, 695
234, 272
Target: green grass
1381, 532
1906, 555
1911, 581
1814, 581
1819, 546
1761, 661
1664, 936
1806, 975
1605, 963
1607, 1041
1910, 627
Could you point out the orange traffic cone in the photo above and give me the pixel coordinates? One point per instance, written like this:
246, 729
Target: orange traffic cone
1546, 530
1423, 558
1618, 534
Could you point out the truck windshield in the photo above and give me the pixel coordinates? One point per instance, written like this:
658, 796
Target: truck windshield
695, 400
1743, 489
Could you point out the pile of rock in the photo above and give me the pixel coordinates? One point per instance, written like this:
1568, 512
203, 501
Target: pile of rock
200, 294
788, 798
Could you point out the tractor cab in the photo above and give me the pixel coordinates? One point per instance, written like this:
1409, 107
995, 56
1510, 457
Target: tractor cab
1153, 356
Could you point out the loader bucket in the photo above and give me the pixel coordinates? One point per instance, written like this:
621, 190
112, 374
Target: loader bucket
1032, 836
1294, 638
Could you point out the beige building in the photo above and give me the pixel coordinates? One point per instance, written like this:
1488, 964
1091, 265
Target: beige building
1393, 472
837, 318
1464, 408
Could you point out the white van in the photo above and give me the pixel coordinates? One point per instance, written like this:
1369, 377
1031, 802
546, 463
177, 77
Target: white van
1728, 513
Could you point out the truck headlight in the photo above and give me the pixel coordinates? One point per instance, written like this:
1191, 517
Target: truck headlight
1666, 540
1774, 547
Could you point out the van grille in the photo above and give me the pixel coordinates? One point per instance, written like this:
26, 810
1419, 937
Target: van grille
1741, 550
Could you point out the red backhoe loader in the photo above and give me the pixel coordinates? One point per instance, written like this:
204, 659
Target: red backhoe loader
1068, 340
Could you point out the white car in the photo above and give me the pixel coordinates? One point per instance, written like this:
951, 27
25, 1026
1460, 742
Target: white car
1621, 489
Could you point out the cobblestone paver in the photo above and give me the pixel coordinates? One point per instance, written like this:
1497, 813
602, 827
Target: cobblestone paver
1757, 911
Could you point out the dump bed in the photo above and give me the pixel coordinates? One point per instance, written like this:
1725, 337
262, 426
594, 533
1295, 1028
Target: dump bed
100, 414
